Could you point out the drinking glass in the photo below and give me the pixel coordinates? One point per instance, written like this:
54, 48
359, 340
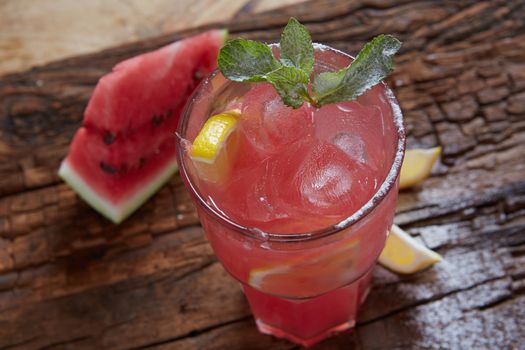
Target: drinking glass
303, 286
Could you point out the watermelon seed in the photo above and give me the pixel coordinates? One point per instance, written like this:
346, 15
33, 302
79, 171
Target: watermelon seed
169, 113
109, 138
198, 75
157, 120
141, 162
108, 168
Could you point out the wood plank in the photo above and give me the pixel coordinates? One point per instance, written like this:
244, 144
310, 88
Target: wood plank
33, 30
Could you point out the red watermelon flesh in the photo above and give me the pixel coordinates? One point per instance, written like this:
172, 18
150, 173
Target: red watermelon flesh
125, 149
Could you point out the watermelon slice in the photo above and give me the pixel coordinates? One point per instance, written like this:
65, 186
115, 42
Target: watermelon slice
125, 150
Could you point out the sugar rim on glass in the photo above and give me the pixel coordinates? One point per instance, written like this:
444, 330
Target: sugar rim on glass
356, 216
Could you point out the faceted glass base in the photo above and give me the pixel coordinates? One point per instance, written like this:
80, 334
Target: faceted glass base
307, 322
276, 332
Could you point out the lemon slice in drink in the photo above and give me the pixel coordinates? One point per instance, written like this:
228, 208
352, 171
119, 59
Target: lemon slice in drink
215, 147
403, 254
295, 277
417, 166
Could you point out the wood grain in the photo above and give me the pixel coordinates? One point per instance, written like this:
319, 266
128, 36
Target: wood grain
70, 279
34, 32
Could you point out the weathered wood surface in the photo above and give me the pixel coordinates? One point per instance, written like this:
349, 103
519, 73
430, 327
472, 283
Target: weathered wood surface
33, 30
70, 279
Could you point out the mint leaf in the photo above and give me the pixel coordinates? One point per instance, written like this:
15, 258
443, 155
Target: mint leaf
291, 83
327, 82
373, 63
296, 46
246, 60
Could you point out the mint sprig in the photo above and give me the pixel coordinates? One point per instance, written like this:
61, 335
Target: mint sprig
251, 61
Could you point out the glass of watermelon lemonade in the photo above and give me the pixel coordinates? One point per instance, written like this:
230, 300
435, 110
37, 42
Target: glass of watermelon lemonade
304, 212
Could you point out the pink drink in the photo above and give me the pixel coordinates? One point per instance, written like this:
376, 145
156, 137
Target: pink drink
306, 210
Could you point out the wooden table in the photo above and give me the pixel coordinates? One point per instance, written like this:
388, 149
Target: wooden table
35, 32
71, 280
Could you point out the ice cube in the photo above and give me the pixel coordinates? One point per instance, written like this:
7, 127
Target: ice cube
259, 206
250, 198
284, 124
269, 124
351, 144
329, 181
356, 129
322, 187
376, 98
322, 179
252, 112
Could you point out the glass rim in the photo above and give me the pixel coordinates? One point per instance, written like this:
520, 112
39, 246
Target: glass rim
253, 232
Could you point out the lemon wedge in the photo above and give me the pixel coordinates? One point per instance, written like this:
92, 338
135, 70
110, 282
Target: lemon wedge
296, 275
403, 254
417, 166
215, 147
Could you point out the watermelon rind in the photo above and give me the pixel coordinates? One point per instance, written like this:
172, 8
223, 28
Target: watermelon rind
116, 213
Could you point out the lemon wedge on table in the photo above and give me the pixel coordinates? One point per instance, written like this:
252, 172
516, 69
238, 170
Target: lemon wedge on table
214, 148
417, 165
403, 254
